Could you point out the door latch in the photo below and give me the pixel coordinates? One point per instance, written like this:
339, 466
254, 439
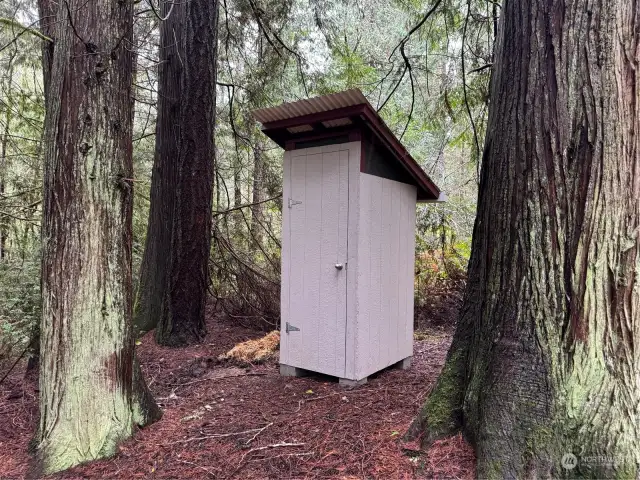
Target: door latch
291, 328
293, 202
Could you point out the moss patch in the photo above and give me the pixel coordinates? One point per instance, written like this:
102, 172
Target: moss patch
441, 412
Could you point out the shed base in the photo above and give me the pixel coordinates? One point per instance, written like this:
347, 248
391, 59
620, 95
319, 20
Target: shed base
289, 371
403, 364
345, 382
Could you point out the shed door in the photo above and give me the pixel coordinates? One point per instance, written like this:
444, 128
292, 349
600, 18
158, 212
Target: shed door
314, 266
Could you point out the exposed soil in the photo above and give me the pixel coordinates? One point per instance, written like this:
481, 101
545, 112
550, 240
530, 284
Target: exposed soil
222, 421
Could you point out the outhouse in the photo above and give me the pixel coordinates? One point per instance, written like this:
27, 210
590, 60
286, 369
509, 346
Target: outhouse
348, 237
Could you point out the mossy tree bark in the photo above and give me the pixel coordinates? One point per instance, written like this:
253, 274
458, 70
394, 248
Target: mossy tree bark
91, 394
545, 359
175, 274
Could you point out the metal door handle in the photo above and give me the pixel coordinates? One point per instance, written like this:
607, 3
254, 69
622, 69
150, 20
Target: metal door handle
339, 266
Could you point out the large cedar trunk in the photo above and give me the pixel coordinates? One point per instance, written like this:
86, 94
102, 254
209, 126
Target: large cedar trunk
156, 258
182, 320
91, 396
175, 278
545, 360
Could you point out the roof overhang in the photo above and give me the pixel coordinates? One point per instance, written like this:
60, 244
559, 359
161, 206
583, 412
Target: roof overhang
320, 115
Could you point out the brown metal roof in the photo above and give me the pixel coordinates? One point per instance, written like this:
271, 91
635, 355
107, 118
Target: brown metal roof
309, 106
316, 114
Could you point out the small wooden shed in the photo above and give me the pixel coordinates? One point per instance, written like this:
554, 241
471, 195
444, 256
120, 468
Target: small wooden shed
348, 237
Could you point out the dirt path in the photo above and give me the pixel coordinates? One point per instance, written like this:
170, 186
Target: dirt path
224, 422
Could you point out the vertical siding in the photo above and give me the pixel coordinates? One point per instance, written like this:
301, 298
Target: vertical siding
376, 252
285, 257
386, 285
385, 255
363, 279
393, 242
353, 269
310, 319
297, 218
410, 276
314, 296
406, 275
402, 283
343, 256
331, 322
329, 240
359, 320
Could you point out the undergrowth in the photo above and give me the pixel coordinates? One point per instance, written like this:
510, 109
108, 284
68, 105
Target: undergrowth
20, 306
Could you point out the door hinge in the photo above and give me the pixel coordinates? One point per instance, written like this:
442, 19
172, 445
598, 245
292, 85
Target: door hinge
293, 202
291, 328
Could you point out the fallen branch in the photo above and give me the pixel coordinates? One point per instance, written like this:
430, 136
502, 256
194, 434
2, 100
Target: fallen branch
284, 455
258, 433
320, 398
275, 445
218, 435
307, 400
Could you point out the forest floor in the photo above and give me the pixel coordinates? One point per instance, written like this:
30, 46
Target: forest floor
222, 421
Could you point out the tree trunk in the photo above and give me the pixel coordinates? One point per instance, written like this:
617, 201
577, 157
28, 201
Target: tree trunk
183, 308
156, 258
89, 400
545, 360
258, 196
46, 13
174, 274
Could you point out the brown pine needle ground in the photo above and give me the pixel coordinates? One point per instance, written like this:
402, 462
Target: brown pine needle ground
225, 422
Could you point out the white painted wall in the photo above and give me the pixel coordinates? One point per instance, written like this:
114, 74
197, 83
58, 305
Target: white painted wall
385, 274
359, 320
314, 292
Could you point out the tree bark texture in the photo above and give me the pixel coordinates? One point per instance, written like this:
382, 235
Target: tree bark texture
89, 402
46, 12
183, 308
546, 358
154, 270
